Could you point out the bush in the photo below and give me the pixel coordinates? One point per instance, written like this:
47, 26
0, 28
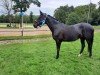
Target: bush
8, 25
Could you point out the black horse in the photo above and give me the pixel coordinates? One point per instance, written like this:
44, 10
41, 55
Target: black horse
62, 32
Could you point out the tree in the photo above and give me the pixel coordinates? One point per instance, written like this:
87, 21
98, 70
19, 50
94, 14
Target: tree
83, 10
62, 12
6, 6
60, 15
99, 13
73, 18
31, 17
22, 5
72, 15
2, 18
99, 5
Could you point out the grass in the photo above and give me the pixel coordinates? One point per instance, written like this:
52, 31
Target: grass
38, 58
23, 37
96, 27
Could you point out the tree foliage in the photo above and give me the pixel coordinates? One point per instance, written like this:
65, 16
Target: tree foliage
16, 18
73, 18
62, 13
31, 16
73, 15
6, 6
23, 5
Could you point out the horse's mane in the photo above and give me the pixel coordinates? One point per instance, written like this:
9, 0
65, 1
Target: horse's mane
53, 18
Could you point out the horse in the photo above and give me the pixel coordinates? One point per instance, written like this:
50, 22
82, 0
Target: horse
68, 33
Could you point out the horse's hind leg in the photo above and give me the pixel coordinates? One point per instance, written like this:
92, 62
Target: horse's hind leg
82, 46
90, 43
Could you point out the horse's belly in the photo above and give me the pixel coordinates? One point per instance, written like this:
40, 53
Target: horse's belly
70, 38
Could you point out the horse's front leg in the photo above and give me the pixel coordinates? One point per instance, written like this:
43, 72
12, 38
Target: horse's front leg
58, 44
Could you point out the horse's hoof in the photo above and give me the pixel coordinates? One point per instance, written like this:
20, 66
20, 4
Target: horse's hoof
57, 57
90, 56
79, 55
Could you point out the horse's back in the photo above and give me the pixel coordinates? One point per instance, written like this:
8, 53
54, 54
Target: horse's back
73, 32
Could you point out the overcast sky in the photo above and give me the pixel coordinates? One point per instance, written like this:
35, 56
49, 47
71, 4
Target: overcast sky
48, 6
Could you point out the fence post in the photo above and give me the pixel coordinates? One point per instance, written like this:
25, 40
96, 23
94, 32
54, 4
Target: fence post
22, 32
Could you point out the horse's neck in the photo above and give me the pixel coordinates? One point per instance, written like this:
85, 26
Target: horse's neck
52, 23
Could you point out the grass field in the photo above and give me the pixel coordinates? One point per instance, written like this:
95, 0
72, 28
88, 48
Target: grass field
38, 58
3, 38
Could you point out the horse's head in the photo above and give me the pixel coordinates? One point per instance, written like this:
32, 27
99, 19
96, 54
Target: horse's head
41, 20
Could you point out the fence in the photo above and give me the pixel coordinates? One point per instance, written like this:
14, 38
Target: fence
24, 32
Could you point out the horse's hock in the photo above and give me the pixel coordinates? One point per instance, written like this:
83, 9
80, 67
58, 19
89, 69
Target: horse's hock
26, 32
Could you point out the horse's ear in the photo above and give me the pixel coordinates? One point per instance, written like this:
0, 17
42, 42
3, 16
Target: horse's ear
41, 13
45, 14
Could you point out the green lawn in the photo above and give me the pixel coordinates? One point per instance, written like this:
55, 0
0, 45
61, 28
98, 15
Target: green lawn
96, 27
38, 58
2, 38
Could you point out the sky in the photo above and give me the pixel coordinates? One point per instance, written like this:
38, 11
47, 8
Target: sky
48, 6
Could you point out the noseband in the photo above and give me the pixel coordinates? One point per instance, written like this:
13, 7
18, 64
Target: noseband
43, 21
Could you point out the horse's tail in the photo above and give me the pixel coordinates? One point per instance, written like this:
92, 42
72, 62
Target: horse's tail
83, 31
92, 35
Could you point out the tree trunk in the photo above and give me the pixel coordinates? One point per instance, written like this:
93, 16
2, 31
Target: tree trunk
21, 21
9, 19
21, 18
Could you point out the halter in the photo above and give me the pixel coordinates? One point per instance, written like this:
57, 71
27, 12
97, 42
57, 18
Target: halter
43, 21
